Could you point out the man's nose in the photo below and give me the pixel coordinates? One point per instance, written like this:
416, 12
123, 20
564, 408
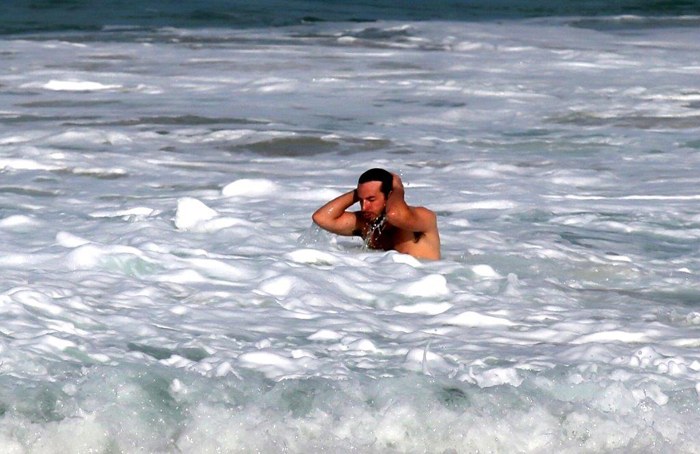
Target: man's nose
365, 205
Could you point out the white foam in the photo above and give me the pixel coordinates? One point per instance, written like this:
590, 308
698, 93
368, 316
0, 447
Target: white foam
157, 258
194, 216
278, 286
69, 240
613, 336
273, 364
433, 285
82, 139
424, 308
467, 46
629, 197
35, 300
19, 222
90, 256
577, 181
316, 195
253, 187
494, 377
485, 271
24, 164
425, 361
325, 335
363, 345
191, 212
474, 319
312, 257
77, 85
407, 259
137, 212
99, 172
480, 205
222, 270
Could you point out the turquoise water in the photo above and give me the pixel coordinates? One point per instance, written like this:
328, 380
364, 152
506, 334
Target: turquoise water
90, 15
162, 288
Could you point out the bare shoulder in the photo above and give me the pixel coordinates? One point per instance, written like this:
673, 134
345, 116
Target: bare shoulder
423, 211
425, 214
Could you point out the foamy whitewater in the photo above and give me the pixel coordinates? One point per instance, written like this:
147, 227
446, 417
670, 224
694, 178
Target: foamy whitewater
164, 291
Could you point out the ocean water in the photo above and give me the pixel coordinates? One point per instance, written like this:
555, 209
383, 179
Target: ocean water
163, 289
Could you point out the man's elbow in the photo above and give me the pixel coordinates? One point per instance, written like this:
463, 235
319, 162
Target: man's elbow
395, 217
318, 219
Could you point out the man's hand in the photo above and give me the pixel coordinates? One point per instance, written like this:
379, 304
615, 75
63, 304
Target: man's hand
395, 201
396, 184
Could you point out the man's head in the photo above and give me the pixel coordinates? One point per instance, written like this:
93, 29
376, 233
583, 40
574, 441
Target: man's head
373, 189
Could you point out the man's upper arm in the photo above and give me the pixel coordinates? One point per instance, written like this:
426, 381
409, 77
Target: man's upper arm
345, 225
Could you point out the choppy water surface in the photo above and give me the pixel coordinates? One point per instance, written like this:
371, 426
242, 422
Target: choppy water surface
163, 290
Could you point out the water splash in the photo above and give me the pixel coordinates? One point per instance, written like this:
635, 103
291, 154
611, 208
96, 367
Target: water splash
374, 232
314, 236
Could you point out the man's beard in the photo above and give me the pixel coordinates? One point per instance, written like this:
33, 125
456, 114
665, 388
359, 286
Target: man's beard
373, 218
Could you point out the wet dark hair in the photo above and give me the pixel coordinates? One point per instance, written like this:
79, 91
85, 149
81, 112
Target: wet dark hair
377, 174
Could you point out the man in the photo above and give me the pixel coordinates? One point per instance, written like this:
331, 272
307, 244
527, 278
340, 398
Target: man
385, 221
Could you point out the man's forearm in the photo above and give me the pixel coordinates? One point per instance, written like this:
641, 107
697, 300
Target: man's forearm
335, 208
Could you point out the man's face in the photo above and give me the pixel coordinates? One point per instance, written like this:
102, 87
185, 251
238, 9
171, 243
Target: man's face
372, 199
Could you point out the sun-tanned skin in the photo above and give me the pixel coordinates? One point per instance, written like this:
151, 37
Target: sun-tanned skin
409, 230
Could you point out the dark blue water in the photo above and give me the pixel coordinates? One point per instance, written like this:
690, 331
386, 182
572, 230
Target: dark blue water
30, 16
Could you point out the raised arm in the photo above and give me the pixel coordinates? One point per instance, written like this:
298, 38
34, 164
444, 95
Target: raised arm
399, 214
333, 217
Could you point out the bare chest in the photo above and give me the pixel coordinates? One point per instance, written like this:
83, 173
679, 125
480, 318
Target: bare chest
391, 238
